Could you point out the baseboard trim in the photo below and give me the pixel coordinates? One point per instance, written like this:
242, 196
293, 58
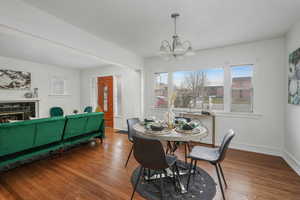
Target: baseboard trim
257, 149
291, 161
252, 148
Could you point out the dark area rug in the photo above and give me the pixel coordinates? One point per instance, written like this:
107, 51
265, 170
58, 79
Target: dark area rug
202, 186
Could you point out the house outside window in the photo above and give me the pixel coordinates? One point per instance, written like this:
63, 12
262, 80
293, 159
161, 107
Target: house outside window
241, 88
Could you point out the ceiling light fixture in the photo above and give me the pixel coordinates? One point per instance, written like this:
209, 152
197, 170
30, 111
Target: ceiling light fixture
175, 48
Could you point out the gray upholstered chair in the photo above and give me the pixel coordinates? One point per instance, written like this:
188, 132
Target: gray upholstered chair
130, 123
212, 155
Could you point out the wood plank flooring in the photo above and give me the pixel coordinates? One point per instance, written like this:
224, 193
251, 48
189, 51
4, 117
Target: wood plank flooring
92, 173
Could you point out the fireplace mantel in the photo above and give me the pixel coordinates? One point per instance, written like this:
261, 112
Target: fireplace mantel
18, 100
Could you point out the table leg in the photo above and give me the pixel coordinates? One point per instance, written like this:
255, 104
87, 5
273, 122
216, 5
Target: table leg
170, 174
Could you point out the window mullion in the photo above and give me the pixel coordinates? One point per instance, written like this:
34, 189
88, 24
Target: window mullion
170, 85
227, 88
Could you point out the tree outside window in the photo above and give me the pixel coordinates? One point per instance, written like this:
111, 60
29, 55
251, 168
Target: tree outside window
202, 89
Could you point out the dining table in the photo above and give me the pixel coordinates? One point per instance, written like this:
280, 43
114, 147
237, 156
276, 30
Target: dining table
173, 137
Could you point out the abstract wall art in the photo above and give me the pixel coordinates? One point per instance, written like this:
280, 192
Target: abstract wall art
11, 79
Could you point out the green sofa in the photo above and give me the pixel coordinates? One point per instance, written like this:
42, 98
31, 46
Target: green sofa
22, 140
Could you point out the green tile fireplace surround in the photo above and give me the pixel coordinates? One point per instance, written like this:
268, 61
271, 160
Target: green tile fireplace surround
24, 139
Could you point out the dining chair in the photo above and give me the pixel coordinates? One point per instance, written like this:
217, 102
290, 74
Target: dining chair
56, 112
212, 155
150, 154
88, 109
130, 123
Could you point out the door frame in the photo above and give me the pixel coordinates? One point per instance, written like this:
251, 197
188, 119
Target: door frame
94, 94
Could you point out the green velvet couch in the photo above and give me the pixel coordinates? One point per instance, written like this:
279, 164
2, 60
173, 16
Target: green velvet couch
22, 140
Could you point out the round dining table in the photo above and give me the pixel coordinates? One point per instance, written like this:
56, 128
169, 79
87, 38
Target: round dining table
172, 135
169, 136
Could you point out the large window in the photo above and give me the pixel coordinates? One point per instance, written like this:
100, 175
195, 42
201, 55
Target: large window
241, 88
202, 89
161, 90
228, 89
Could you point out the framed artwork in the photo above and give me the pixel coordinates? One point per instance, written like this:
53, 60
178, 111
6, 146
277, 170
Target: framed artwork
11, 79
58, 86
294, 78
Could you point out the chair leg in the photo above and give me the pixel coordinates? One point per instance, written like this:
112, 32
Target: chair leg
129, 156
195, 165
189, 176
174, 177
137, 182
161, 186
221, 170
149, 174
220, 182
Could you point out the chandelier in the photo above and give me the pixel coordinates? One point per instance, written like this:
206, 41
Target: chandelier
175, 48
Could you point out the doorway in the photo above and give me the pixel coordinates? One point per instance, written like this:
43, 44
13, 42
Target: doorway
105, 99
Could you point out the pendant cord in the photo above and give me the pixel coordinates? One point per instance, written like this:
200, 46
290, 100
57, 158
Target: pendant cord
175, 31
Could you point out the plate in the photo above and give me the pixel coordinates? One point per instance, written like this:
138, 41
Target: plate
163, 132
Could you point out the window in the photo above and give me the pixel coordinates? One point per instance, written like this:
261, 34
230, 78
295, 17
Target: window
241, 88
202, 89
161, 90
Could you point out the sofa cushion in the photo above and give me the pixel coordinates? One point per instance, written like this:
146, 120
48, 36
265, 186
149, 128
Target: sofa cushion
49, 130
94, 122
16, 136
81, 124
75, 125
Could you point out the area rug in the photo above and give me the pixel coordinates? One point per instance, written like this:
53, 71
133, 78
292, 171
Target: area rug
202, 186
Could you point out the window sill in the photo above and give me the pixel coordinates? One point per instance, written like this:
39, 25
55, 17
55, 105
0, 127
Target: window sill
238, 115
216, 113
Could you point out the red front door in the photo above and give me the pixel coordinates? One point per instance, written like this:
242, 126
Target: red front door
105, 99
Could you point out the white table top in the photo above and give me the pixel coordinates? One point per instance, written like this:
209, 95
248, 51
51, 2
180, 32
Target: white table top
171, 135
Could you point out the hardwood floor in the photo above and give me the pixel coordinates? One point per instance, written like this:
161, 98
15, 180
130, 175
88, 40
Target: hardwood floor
92, 173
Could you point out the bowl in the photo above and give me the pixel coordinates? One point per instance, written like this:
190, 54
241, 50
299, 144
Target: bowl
156, 128
187, 127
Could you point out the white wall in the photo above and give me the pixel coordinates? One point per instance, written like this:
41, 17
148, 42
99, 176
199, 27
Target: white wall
41, 75
131, 90
262, 131
292, 133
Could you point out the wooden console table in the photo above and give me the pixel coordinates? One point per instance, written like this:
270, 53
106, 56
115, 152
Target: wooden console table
201, 116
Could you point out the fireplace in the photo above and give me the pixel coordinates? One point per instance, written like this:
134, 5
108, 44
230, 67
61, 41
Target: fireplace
21, 110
